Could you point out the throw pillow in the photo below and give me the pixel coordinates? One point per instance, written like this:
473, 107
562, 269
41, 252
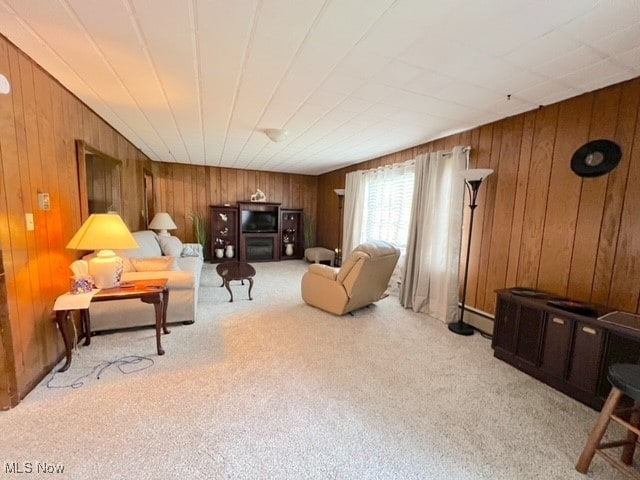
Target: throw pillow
189, 251
154, 264
170, 245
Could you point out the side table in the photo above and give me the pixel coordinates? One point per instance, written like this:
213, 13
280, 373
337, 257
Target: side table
148, 291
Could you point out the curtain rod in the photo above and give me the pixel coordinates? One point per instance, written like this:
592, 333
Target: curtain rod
466, 150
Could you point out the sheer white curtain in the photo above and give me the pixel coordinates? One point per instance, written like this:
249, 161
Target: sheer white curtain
377, 205
353, 212
430, 280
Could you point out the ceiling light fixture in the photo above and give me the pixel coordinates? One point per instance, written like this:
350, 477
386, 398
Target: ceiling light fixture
276, 134
5, 87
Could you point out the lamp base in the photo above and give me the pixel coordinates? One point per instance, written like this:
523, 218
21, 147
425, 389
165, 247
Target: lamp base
106, 269
461, 328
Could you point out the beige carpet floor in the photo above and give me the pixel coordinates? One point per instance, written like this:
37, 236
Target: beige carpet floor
274, 389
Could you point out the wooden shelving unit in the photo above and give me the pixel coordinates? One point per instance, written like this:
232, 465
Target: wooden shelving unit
292, 233
224, 232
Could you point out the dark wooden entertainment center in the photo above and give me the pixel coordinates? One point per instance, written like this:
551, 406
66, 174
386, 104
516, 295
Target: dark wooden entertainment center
257, 231
569, 351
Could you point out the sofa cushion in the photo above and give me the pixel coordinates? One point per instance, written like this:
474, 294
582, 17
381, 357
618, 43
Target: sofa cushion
148, 246
170, 245
154, 264
191, 250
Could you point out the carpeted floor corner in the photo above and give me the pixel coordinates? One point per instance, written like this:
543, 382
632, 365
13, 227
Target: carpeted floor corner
274, 389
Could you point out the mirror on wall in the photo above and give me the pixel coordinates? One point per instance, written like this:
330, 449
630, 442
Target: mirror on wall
99, 181
149, 201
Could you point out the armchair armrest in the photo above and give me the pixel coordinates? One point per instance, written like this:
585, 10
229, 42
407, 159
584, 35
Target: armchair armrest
323, 270
192, 250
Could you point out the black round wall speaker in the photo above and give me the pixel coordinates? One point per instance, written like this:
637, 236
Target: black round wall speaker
596, 158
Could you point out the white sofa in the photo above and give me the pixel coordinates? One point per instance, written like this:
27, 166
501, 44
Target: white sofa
143, 263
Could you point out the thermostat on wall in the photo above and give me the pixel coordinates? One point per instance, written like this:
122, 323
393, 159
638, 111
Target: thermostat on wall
44, 202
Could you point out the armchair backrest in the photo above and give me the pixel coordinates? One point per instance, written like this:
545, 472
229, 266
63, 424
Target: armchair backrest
366, 272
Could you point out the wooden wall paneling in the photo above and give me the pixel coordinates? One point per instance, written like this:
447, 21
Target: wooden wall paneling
592, 198
614, 197
224, 187
14, 238
480, 158
186, 200
38, 270
170, 192
488, 204
51, 221
524, 161
544, 135
625, 282
503, 210
275, 186
200, 200
564, 194
214, 186
9, 196
163, 188
297, 191
90, 128
235, 190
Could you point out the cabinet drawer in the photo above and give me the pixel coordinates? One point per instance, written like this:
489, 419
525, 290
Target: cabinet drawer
585, 357
529, 334
555, 346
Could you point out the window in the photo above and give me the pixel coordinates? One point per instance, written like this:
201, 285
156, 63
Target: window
388, 198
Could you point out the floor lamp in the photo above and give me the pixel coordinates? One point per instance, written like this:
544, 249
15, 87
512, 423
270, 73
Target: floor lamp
340, 193
472, 180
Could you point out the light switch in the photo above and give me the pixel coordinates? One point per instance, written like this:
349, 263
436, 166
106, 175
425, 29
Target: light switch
30, 224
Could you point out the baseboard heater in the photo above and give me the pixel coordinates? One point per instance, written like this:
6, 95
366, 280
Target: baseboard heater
483, 321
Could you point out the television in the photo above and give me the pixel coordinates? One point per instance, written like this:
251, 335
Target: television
259, 222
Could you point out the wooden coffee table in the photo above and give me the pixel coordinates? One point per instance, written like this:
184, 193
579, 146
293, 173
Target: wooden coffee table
148, 291
236, 271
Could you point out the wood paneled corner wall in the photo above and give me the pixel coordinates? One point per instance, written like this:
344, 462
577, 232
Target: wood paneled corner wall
538, 224
40, 122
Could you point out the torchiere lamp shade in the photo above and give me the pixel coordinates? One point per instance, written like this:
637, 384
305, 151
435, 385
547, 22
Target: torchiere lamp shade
104, 232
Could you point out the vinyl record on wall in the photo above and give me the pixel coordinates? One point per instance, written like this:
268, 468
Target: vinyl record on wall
596, 158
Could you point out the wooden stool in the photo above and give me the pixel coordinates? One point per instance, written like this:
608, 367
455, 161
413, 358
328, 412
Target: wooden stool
625, 379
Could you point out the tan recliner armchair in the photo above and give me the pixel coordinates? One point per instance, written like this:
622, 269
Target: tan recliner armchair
362, 280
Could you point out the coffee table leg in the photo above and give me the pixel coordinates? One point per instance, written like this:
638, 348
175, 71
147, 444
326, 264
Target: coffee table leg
61, 320
250, 287
159, 307
226, 284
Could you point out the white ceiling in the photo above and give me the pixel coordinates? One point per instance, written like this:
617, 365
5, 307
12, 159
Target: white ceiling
197, 81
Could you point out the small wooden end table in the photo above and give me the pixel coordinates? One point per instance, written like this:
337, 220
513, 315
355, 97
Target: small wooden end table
148, 291
236, 271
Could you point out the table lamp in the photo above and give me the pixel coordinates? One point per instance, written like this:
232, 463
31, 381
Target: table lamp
162, 221
104, 232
